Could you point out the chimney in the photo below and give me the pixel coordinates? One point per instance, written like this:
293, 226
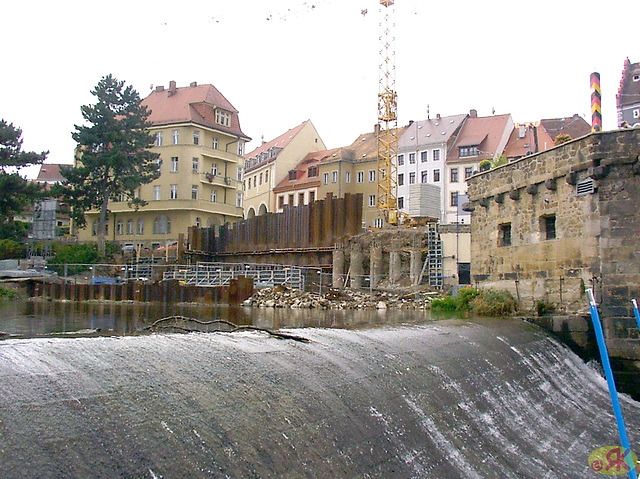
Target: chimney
473, 113
160, 88
193, 83
172, 88
437, 116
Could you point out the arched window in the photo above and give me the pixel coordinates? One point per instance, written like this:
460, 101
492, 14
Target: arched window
162, 225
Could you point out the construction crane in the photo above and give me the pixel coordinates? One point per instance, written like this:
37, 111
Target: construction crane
387, 137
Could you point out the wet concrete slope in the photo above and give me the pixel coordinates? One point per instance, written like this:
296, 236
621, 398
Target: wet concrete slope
447, 399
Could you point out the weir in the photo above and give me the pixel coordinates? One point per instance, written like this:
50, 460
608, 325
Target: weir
445, 399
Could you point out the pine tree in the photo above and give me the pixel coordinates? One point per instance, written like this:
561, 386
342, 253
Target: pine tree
112, 152
17, 193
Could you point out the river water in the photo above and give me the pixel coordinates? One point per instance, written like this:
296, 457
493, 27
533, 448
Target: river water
369, 395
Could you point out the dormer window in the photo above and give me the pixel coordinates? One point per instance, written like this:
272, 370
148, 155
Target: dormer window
313, 172
466, 151
293, 175
223, 117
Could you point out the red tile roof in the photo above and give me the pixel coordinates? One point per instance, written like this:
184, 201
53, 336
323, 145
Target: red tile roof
484, 132
302, 171
575, 126
50, 173
281, 142
195, 103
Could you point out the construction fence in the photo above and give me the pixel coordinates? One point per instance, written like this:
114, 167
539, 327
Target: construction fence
314, 226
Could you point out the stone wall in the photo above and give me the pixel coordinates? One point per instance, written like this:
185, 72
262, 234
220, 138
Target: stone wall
595, 242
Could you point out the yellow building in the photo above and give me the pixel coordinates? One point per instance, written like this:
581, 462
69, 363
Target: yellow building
271, 162
354, 169
201, 145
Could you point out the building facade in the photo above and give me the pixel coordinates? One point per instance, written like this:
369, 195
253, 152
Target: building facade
628, 97
270, 164
201, 145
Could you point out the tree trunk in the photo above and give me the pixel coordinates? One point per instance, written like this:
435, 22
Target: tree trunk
102, 223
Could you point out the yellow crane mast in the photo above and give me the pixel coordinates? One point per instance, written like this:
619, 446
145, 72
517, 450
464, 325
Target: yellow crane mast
387, 126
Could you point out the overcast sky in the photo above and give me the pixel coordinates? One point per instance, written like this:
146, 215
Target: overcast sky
281, 62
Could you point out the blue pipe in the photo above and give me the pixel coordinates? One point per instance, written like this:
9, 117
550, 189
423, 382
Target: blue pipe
615, 401
636, 313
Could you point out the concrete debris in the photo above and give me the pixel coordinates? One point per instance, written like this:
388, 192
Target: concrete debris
282, 297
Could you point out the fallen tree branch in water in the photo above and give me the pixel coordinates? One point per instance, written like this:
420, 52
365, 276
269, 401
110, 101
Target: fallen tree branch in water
159, 324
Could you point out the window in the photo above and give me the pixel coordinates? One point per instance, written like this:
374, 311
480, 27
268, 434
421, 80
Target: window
239, 173
454, 175
266, 176
280, 201
312, 196
334, 177
214, 196
175, 137
468, 151
347, 177
239, 200
293, 175
198, 221
436, 176
241, 148
636, 113
196, 137
158, 138
140, 226
412, 158
400, 160
173, 192
372, 201
436, 155
194, 192
378, 223
290, 200
312, 171
400, 202
400, 179
129, 227
161, 225
412, 178
214, 143
325, 178
119, 227
424, 177
505, 234
159, 164
548, 227
174, 164
300, 199
424, 156
260, 179
195, 165
454, 198
372, 176
360, 177
468, 171
157, 192
214, 169
223, 118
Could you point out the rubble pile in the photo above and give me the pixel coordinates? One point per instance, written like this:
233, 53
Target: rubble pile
283, 297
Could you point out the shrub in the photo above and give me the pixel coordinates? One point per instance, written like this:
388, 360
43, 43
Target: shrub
7, 294
544, 307
494, 303
461, 302
10, 249
76, 255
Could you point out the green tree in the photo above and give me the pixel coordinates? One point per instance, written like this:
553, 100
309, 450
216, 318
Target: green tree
113, 156
12, 158
562, 138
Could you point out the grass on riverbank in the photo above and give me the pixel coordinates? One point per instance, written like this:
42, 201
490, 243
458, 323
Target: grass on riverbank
6, 294
486, 302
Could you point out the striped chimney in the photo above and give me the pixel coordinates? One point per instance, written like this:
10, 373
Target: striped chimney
596, 103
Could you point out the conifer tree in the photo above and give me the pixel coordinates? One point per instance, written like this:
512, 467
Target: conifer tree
113, 157
17, 193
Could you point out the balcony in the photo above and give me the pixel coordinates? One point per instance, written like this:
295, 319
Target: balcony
218, 180
219, 154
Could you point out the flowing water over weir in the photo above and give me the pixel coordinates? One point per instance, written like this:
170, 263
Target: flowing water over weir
443, 399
